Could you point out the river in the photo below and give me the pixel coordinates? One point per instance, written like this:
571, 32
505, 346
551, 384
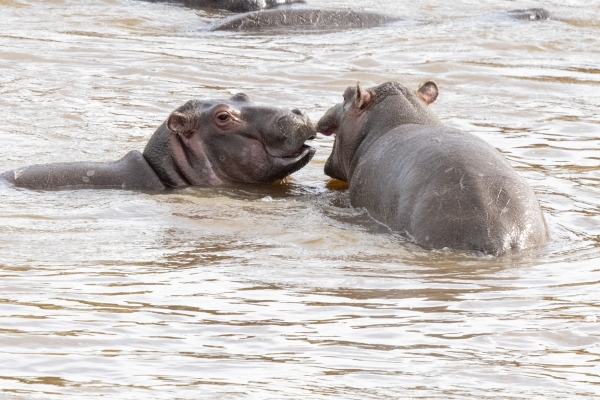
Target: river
285, 291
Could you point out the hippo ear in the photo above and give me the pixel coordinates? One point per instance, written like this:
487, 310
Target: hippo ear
241, 97
362, 97
428, 92
180, 123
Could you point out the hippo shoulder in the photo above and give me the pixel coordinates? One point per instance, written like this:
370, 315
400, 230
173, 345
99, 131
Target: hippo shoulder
434, 148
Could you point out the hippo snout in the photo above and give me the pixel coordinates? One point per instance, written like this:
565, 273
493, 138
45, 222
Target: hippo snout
299, 116
328, 124
308, 122
290, 132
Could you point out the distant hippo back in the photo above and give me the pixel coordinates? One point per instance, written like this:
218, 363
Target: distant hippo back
530, 14
306, 18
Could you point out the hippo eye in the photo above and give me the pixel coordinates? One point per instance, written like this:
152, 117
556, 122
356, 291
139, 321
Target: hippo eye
226, 118
223, 116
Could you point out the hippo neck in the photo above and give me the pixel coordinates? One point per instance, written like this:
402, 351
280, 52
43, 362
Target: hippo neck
397, 111
175, 164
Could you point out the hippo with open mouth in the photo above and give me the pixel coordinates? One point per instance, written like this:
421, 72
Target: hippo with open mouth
202, 143
439, 186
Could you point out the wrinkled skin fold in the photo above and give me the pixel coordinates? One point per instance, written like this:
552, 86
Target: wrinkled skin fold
202, 143
439, 186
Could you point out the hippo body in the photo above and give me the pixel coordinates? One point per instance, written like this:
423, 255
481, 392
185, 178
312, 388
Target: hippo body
303, 17
130, 172
441, 187
530, 14
306, 18
233, 5
202, 143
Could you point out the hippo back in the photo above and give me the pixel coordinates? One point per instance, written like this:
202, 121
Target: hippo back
447, 188
305, 18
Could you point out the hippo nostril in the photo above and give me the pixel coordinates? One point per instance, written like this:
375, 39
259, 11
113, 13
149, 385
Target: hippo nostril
297, 112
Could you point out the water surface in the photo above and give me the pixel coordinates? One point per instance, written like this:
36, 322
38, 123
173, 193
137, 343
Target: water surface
285, 291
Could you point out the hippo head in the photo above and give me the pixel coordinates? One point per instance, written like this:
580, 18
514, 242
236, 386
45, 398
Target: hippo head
218, 142
366, 114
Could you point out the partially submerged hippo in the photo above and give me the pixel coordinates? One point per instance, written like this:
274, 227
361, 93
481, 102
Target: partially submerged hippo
530, 14
337, 19
233, 5
202, 143
303, 17
440, 186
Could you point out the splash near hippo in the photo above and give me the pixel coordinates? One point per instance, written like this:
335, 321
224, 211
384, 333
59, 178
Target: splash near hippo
439, 186
202, 143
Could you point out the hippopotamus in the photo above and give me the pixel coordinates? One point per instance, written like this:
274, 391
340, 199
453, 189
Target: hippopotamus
234, 5
337, 19
440, 187
530, 14
304, 17
202, 143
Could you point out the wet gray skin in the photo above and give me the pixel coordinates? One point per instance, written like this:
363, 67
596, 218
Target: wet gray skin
439, 186
202, 143
232, 5
336, 19
301, 17
531, 14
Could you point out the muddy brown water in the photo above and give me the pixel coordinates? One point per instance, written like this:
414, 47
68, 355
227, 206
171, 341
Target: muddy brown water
286, 292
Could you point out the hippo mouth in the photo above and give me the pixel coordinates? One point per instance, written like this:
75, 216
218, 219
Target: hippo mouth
297, 154
293, 162
301, 152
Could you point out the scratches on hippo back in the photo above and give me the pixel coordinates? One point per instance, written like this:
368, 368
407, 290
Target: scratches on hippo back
303, 18
18, 172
